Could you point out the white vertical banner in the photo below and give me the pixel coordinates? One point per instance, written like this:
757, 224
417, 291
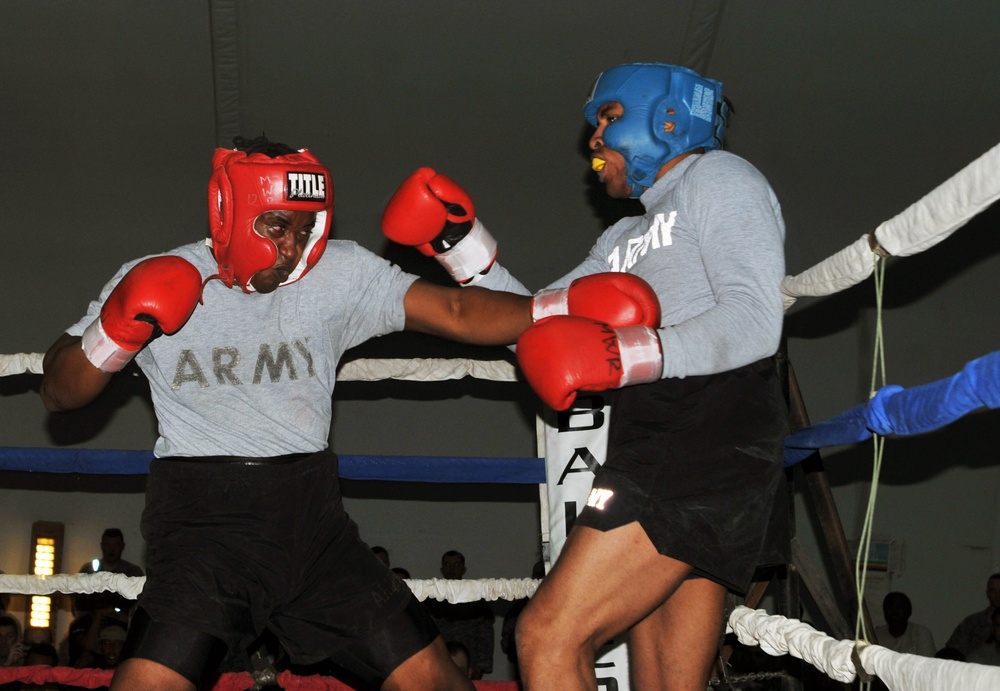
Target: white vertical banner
576, 442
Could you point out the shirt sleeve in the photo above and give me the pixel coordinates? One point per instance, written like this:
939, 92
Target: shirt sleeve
742, 250
501, 280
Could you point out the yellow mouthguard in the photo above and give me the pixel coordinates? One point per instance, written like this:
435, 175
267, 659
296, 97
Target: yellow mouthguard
597, 164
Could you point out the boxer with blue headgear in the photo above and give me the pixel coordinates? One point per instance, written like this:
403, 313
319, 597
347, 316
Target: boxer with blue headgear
667, 111
697, 413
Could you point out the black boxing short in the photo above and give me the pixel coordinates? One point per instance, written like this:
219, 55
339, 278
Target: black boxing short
696, 461
236, 545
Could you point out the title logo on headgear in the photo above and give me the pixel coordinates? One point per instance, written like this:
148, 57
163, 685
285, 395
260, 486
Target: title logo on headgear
309, 187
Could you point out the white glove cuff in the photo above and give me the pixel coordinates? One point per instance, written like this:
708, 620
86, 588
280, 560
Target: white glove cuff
103, 353
472, 254
551, 302
641, 353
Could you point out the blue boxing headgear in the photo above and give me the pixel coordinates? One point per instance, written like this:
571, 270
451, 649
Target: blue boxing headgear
653, 94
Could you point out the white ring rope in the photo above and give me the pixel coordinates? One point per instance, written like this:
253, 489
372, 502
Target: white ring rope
426, 369
127, 586
20, 363
455, 591
363, 369
920, 226
777, 635
474, 589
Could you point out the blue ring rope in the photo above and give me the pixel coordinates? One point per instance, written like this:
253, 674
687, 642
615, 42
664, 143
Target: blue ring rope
392, 468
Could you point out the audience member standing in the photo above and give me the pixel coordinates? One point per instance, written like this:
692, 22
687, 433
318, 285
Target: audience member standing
112, 547
468, 623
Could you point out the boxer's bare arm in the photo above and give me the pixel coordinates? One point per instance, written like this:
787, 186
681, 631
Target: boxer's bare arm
470, 315
69, 380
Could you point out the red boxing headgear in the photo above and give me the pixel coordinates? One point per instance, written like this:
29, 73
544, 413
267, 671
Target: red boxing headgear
242, 187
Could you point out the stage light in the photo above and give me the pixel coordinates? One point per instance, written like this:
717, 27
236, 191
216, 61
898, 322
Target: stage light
46, 560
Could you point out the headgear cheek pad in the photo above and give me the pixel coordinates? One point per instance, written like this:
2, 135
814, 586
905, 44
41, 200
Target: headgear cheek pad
651, 95
242, 187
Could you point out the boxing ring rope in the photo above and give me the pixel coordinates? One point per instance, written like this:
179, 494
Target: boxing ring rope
362, 369
892, 410
457, 469
920, 226
450, 590
845, 661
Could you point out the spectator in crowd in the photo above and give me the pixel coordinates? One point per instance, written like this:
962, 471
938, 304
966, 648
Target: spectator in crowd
33, 635
112, 547
110, 641
41, 654
468, 623
12, 650
75, 642
899, 633
989, 653
84, 642
401, 572
976, 629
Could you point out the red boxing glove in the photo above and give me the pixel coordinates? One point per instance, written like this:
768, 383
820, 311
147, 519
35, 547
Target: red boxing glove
434, 214
617, 299
428, 211
155, 297
563, 355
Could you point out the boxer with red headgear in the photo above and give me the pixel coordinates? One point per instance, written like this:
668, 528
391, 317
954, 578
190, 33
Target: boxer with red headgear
244, 519
247, 183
